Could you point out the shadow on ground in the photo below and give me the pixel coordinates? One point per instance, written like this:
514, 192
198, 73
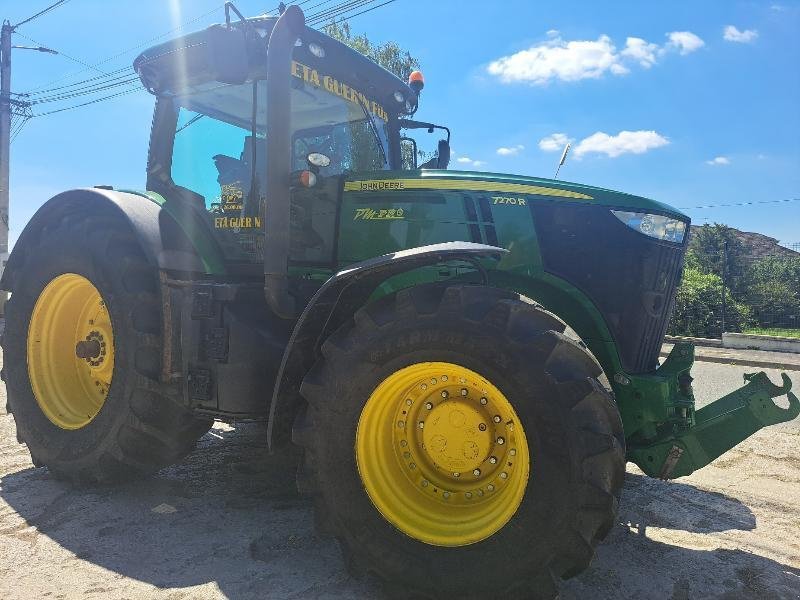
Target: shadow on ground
237, 522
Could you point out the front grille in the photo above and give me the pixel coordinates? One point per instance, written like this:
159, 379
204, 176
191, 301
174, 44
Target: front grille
630, 277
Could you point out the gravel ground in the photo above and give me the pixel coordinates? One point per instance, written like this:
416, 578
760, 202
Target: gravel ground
225, 523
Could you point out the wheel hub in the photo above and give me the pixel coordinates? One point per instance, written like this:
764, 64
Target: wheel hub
453, 439
70, 351
454, 444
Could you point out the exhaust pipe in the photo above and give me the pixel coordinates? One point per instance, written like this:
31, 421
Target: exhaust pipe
285, 33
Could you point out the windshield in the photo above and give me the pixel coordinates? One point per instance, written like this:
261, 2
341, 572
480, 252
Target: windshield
215, 132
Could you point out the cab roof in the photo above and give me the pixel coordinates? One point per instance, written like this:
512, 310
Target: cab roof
212, 54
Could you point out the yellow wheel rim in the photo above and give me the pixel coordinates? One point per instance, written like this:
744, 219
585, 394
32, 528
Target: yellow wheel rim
442, 454
70, 351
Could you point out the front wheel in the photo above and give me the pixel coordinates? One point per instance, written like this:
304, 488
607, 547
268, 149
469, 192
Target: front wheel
460, 444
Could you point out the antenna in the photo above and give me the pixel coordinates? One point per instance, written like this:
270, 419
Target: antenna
563, 159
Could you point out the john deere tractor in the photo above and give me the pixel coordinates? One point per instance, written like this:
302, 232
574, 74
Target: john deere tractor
467, 359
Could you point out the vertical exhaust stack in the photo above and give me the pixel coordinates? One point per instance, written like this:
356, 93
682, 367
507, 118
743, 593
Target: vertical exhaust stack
287, 30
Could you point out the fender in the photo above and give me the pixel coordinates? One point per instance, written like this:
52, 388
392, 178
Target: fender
160, 235
340, 297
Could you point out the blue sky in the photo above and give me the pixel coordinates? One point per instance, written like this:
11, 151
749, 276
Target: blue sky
690, 103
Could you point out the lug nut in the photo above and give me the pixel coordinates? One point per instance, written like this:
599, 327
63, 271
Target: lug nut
446, 495
476, 472
412, 466
493, 460
482, 427
424, 386
409, 402
463, 391
503, 475
456, 474
429, 405
444, 377
433, 380
406, 454
424, 483
401, 424
421, 424
445, 394
496, 418
501, 440
513, 452
468, 495
490, 487
484, 401
480, 492
403, 443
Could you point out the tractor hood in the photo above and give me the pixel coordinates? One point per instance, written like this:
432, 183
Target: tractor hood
509, 185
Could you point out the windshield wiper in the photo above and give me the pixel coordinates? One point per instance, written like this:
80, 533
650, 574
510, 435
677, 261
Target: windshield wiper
374, 128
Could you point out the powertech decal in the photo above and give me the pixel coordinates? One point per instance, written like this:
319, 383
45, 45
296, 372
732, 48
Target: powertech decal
337, 88
381, 214
380, 185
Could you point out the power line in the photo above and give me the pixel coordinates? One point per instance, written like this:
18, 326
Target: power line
131, 49
740, 204
96, 100
42, 12
60, 53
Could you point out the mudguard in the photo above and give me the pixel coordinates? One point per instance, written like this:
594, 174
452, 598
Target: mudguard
151, 225
340, 297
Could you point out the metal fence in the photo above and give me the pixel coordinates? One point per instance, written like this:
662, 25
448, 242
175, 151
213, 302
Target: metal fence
743, 285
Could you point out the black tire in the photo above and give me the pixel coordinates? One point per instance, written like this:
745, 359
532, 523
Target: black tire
572, 423
141, 427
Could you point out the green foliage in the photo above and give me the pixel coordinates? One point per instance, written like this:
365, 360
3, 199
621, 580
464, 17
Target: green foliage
774, 292
763, 293
713, 248
697, 307
388, 55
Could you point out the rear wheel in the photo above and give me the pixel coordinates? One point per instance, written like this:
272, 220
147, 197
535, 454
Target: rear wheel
82, 356
458, 443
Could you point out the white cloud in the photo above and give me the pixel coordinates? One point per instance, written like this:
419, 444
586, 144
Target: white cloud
510, 151
684, 41
641, 51
731, 34
633, 142
466, 160
719, 160
559, 59
554, 142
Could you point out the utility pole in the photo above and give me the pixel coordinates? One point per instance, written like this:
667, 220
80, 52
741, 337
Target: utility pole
5, 147
6, 104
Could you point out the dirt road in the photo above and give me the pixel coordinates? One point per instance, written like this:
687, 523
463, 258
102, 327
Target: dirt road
225, 523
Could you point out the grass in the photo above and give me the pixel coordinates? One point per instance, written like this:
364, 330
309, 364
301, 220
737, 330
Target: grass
778, 331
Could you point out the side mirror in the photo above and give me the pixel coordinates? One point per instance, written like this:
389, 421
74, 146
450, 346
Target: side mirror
444, 154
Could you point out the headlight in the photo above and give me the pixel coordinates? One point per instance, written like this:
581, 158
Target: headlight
656, 226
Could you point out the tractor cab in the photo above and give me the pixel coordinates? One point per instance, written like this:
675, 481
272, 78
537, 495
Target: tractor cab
213, 146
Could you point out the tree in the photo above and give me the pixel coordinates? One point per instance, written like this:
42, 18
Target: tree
389, 55
697, 307
713, 248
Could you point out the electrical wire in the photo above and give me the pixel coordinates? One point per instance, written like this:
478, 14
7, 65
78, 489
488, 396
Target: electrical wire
95, 101
41, 12
60, 53
740, 204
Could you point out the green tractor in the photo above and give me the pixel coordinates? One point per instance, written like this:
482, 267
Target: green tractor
406, 325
